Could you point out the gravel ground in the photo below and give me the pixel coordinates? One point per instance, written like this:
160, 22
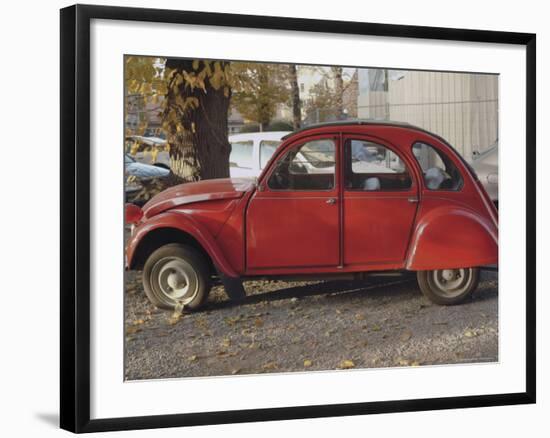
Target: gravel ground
297, 326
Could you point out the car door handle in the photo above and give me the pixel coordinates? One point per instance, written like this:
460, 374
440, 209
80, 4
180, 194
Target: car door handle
331, 201
412, 199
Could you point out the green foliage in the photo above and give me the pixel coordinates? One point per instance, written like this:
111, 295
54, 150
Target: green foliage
321, 107
280, 125
259, 88
145, 82
250, 127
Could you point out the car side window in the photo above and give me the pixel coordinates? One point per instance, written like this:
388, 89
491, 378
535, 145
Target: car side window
267, 149
372, 167
241, 154
439, 171
309, 166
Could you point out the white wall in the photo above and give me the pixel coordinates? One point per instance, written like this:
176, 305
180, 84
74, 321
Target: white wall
30, 204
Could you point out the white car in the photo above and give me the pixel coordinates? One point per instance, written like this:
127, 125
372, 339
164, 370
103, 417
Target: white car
485, 165
250, 152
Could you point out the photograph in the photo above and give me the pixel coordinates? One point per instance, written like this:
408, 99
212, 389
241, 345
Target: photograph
300, 218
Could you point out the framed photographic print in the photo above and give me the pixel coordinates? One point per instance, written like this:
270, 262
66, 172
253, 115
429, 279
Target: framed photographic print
271, 218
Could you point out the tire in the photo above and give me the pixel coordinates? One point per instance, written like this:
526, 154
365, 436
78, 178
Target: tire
448, 287
175, 274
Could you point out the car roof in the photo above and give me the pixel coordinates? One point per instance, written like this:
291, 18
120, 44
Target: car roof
374, 122
265, 135
353, 122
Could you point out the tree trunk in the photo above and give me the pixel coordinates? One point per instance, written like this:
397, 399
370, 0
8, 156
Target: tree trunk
339, 91
199, 148
265, 109
295, 97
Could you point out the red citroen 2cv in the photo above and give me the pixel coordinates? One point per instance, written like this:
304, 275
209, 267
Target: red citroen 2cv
345, 199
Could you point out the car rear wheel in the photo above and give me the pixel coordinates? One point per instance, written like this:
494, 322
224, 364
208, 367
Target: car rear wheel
448, 286
176, 274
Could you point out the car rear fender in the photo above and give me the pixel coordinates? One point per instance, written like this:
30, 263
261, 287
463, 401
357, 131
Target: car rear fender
177, 221
452, 237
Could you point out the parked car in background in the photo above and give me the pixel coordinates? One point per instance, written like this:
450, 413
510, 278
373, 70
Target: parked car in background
250, 152
345, 200
136, 173
152, 150
485, 165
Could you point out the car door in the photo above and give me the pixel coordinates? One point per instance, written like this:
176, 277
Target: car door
293, 218
380, 199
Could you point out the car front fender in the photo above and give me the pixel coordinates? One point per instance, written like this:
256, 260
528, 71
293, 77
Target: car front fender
454, 237
184, 223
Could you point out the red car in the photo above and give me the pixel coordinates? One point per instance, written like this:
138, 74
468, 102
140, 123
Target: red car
345, 200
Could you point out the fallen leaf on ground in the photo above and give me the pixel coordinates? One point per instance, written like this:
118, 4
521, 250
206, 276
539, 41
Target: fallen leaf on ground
269, 366
403, 362
258, 322
470, 333
226, 342
307, 363
174, 318
193, 358
375, 328
232, 320
347, 364
132, 330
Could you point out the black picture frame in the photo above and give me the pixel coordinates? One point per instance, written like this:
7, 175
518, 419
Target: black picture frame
75, 217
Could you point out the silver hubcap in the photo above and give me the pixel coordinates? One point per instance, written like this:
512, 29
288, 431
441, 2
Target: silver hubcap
175, 280
452, 282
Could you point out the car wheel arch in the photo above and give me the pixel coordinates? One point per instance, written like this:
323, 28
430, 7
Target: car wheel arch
435, 242
176, 228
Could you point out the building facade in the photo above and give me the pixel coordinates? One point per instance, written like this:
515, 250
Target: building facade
460, 107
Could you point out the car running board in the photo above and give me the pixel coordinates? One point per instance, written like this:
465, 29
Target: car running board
233, 287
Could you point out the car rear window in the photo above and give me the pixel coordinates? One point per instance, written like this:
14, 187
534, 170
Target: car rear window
439, 171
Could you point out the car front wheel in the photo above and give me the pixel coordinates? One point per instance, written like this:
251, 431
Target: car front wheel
175, 274
448, 286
